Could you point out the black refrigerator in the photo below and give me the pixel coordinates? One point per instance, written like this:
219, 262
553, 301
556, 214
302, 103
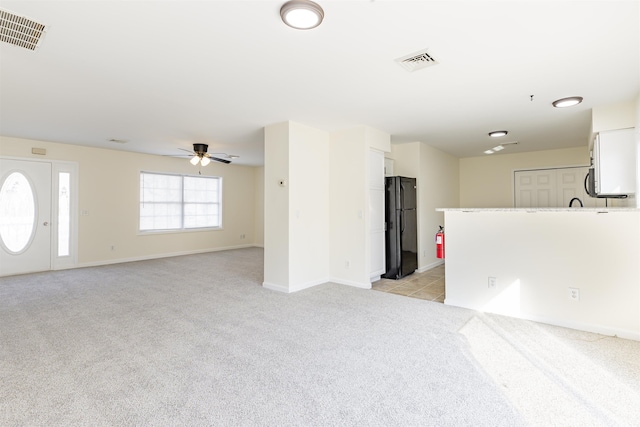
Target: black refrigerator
401, 236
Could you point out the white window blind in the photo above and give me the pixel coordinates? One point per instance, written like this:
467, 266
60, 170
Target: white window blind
174, 202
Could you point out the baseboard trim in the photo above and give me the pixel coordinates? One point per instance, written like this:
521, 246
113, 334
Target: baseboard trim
430, 266
155, 256
294, 288
307, 285
361, 285
277, 288
580, 326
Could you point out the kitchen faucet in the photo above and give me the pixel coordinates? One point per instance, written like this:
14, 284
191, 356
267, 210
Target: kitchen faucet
573, 200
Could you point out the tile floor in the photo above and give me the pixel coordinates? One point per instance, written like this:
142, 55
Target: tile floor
428, 285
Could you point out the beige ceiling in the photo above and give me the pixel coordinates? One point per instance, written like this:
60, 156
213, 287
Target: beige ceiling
164, 75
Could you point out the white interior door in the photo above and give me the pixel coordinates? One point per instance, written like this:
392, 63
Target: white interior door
25, 216
571, 184
549, 188
535, 189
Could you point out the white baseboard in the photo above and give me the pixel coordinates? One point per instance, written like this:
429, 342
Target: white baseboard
294, 288
299, 287
274, 287
430, 266
361, 285
580, 326
155, 256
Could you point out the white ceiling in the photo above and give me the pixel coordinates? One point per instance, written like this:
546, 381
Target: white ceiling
164, 75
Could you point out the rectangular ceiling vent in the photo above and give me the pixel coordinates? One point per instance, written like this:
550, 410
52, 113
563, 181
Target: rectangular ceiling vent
20, 31
417, 60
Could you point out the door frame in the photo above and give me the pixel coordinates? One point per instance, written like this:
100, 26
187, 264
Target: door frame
58, 166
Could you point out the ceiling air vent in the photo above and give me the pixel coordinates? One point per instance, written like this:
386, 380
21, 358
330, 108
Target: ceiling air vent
20, 31
417, 60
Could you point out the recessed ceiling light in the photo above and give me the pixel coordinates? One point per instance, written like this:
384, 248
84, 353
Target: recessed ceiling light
301, 14
567, 102
498, 133
489, 152
498, 148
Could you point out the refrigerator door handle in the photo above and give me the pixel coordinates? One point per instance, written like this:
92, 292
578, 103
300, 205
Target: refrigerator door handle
402, 221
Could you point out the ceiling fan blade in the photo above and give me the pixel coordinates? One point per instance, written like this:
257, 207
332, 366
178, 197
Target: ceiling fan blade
188, 151
219, 160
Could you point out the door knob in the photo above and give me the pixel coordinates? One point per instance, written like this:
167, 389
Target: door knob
45, 223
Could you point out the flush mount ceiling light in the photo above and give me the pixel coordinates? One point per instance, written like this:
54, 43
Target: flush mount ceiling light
301, 14
567, 102
498, 133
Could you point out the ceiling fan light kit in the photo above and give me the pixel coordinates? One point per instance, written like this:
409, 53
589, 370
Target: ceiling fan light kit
200, 155
301, 14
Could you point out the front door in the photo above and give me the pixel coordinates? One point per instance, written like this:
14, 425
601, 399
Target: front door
25, 216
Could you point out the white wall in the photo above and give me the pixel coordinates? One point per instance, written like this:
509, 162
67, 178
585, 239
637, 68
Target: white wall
109, 187
348, 185
258, 222
614, 116
276, 207
308, 206
537, 257
438, 184
296, 213
317, 227
487, 181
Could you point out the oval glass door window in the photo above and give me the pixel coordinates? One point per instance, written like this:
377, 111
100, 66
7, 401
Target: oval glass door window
17, 212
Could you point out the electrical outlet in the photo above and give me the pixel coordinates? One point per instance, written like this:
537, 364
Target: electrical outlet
492, 282
113, 247
574, 294
347, 264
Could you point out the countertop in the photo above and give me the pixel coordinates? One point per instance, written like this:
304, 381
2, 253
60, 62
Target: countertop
533, 210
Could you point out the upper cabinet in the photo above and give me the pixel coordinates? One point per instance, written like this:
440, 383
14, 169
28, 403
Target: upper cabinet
388, 167
614, 160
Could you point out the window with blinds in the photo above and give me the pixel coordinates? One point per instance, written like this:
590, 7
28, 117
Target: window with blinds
179, 202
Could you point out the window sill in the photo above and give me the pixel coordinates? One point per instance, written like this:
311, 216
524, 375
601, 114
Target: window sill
182, 230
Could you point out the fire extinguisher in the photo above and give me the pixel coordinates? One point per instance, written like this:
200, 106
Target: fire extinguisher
440, 242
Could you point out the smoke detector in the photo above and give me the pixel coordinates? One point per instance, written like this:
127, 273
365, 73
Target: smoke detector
417, 60
20, 31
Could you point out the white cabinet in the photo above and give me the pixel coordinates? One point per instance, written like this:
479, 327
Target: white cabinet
388, 167
614, 157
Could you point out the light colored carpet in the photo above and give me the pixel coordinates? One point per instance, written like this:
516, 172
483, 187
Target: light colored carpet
197, 341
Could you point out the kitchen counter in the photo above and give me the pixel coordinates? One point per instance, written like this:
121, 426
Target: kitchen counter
532, 210
571, 267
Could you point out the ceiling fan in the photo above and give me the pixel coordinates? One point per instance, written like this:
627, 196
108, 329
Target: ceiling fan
201, 156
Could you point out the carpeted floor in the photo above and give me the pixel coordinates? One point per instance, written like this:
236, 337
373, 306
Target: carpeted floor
197, 341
